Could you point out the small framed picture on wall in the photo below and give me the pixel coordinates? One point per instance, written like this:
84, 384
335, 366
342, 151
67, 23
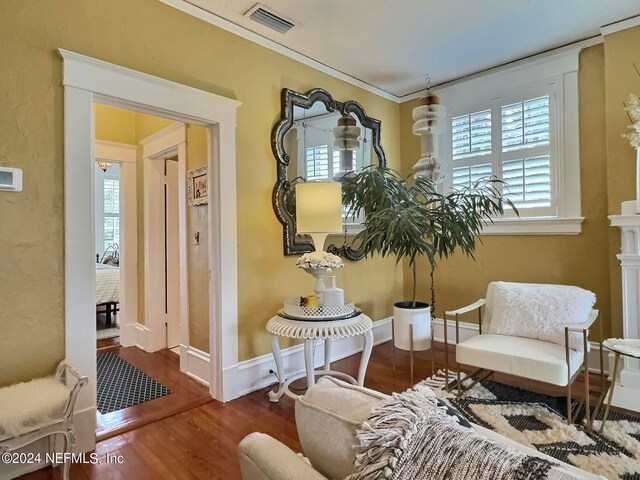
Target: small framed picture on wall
197, 187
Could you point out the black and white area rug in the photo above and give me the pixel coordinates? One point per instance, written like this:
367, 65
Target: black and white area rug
121, 385
540, 421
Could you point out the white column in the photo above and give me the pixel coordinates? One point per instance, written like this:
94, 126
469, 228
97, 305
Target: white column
627, 391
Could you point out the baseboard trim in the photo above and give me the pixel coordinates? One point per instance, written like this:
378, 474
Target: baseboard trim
85, 426
195, 364
141, 336
253, 374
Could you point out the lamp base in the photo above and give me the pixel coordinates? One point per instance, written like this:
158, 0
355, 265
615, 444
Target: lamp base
318, 274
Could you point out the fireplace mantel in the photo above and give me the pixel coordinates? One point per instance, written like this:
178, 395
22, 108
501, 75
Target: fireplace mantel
627, 392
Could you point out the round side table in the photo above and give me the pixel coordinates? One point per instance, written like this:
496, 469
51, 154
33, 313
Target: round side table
310, 331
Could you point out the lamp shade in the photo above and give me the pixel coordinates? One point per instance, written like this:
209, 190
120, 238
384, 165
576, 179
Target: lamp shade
318, 207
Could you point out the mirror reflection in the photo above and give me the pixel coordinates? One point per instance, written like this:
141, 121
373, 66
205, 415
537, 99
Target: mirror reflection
320, 139
315, 152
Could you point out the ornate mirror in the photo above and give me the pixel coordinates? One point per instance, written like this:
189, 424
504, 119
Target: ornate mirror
307, 148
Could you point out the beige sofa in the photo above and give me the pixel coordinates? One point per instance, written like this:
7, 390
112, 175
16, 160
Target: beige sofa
327, 417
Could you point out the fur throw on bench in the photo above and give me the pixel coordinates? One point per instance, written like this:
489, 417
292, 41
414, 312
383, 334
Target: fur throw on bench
412, 436
29, 405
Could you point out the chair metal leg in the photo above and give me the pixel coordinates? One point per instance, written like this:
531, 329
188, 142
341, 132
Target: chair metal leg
411, 341
446, 356
569, 412
567, 359
393, 345
433, 355
587, 407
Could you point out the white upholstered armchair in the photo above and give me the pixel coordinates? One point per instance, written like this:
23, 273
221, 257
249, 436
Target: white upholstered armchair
536, 331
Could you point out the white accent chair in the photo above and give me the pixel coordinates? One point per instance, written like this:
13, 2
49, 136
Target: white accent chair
529, 358
47, 406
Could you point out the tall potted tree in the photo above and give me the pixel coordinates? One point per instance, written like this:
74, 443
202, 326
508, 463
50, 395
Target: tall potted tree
411, 219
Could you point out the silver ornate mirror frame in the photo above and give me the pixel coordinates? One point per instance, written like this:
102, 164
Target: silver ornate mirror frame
295, 244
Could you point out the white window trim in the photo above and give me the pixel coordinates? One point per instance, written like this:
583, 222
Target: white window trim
560, 67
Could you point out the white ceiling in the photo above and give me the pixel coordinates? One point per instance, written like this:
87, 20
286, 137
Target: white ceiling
393, 45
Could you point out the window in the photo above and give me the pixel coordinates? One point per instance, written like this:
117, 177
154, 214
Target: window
107, 208
520, 124
523, 152
522, 149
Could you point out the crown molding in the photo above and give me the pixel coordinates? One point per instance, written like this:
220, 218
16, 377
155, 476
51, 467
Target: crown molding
573, 48
618, 26
223, 23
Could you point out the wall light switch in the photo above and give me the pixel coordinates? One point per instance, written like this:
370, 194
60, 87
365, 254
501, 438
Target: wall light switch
10, 179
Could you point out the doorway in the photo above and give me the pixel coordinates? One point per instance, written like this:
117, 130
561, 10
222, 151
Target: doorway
86, 80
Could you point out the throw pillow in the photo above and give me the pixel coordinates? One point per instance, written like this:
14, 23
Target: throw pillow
540, 311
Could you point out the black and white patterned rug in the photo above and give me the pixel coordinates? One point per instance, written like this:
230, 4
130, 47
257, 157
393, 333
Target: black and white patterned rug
121, 385
540, 421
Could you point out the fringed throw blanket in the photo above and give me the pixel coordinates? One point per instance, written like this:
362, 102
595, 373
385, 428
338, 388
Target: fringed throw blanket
413, 437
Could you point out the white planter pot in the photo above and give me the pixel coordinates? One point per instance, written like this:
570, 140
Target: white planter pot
420, 318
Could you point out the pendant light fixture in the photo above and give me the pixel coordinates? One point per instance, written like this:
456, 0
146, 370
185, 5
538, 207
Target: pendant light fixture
346, 142
428, 118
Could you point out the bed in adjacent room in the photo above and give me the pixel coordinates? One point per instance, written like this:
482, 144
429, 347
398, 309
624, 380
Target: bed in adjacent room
107, 286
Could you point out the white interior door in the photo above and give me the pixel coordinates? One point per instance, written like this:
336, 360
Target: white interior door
172, 254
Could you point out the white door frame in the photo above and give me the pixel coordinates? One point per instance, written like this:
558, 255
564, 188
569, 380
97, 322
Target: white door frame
125, 155
166, 143
87, 80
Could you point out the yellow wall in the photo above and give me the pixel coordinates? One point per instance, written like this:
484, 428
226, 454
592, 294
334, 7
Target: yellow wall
114, 124
134, 35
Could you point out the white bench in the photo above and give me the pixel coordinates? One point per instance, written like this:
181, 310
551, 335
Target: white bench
41, 408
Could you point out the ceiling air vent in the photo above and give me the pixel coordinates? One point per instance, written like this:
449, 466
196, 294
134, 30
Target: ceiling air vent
267, 17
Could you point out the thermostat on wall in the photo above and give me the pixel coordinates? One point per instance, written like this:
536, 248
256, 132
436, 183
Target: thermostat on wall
11, 179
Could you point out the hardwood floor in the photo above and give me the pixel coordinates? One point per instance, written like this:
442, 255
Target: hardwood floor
201, 442
107, 343
163, 366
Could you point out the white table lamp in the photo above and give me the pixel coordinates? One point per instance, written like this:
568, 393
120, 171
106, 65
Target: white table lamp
318, 210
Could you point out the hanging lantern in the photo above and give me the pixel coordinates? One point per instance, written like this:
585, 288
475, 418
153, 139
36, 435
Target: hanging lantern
428, 119
346, 142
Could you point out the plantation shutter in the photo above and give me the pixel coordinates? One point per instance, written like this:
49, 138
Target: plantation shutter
471, 144
471, 135
111, 211
317, 162
525, 159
